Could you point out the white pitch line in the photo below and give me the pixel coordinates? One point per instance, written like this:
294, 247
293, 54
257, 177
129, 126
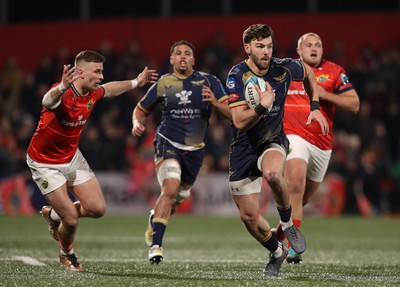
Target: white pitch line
29, 260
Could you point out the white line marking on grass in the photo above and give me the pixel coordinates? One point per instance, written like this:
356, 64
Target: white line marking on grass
29, 260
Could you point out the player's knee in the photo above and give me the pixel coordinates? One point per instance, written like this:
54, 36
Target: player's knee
94, 210
296, 185
272, 177
169, 190
70, 223
99, 211
169, 169
249, 218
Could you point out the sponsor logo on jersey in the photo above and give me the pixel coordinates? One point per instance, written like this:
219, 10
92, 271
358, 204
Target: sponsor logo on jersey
344, 78
233, 98
230, 84
296, 92
185, 111
73, 124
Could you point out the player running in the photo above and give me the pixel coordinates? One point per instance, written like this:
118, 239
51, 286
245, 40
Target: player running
187, 97
259, 145
310, 150
57, 165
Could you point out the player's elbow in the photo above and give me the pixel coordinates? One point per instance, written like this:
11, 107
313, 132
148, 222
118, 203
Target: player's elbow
240, 125
48, 102
355, 107
46, 105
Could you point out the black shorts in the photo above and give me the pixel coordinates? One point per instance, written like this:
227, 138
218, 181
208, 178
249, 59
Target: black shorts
243, 159
190, 161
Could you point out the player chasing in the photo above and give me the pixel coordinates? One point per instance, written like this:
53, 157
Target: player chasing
259, 145
310, 153
187, 97
57, 165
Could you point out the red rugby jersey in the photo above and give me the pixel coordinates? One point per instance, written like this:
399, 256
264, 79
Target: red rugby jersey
56, 138
333, 79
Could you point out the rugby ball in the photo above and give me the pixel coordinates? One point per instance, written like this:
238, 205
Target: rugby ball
250, 92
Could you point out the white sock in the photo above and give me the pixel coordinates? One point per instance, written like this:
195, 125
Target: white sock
54, 215
67, 253
278, 252
286, 225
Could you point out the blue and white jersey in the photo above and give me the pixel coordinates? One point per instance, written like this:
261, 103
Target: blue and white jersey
184, 114
269, 128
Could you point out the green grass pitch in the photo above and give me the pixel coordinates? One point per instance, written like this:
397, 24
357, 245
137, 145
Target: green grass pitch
200, 251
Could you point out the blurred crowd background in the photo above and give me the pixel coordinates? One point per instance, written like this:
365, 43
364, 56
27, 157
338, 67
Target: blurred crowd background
366, 153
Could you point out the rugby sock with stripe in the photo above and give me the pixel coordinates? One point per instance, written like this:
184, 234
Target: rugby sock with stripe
159, 226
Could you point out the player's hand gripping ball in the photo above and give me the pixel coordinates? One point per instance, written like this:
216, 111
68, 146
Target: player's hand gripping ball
250, 93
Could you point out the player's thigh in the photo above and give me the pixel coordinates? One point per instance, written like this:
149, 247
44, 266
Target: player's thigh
61, 202
310, 190
248, 204
273, 161
90, 195
84, 185
296, 171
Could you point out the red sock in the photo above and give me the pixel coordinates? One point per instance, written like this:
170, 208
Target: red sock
297, 222
66, 248
279, 233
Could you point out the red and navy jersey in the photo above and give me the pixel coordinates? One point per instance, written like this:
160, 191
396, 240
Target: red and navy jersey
334, 80
184, 114
269, 128
56, 138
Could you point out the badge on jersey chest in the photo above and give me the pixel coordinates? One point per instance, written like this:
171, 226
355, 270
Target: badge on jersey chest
89, 105
184, 97
198, 83
280, 78
322, 78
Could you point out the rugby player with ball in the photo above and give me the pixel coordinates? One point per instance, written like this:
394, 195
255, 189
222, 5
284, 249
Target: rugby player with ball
259, 146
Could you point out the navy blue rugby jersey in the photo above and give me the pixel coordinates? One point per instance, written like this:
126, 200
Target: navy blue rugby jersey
280, 74
184, 114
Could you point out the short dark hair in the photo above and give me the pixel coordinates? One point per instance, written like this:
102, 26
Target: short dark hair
181, 42
257, 32
89, 56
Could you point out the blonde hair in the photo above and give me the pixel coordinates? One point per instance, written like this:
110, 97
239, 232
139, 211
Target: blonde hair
302, 38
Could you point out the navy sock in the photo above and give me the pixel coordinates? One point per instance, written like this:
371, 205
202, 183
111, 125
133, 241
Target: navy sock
271, 244
285, 214
158, 232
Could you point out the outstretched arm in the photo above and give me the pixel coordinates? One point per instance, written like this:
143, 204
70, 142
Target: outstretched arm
53, 96
118, 87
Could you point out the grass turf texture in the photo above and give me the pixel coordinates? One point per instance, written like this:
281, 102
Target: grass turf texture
200, 251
